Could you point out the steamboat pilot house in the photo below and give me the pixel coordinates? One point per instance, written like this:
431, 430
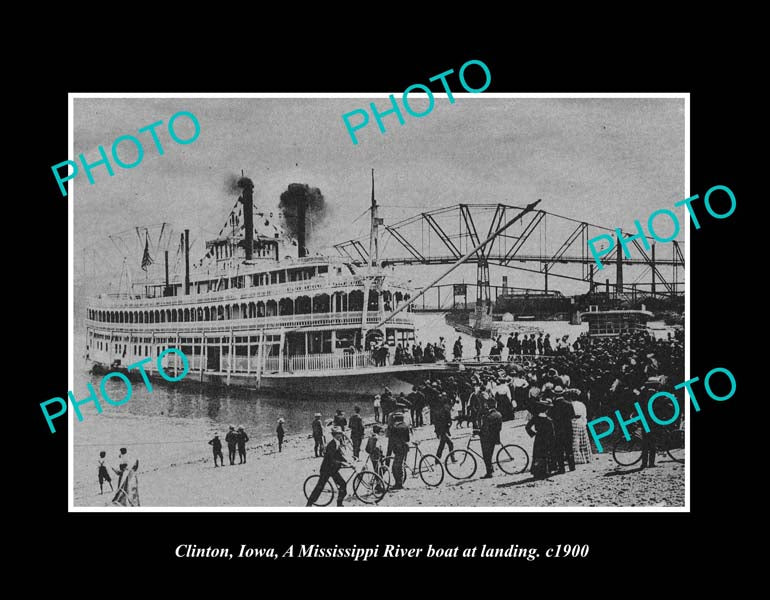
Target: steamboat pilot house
257, 312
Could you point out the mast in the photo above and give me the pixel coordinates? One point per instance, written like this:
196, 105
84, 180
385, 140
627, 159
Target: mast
372, 262
374, 233
186, 262
166, 291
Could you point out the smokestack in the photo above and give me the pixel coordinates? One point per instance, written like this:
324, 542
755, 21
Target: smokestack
165, 293
248, 215
301, 208
186, 262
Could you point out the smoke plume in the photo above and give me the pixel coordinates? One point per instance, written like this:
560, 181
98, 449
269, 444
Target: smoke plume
235, 184
316, 208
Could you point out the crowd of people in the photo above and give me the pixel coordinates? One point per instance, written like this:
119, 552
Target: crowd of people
557, 388
404, 354
565, 386
513, 348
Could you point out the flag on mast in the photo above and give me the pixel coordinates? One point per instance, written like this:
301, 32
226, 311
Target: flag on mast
146, 258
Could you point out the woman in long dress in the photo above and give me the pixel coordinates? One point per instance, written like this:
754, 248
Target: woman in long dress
541, 428
581, 447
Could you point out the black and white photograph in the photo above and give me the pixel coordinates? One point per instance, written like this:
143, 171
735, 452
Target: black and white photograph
278, 307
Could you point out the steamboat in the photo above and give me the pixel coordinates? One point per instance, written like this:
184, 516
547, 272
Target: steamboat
264, 314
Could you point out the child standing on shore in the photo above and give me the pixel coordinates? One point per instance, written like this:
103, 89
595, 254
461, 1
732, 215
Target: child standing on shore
103, 473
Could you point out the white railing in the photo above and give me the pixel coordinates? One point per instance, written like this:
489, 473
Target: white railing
351, 319
233, 294
327, 362
318, 362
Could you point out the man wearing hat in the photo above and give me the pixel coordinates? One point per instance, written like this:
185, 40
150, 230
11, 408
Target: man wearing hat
387, 403
241, 439
216, 447
489, 434
399, 444
374, 448
232, 440
330, 468
417, 400
318, 436
442, 425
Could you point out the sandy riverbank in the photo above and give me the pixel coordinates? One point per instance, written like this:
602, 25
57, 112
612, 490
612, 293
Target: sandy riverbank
273, 479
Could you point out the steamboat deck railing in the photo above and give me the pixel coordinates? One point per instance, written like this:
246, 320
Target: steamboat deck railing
128, 301
253, 324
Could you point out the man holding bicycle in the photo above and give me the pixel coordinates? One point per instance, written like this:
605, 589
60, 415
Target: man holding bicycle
330, 468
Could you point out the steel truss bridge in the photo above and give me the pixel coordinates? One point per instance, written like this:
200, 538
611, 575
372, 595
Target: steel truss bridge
542, 242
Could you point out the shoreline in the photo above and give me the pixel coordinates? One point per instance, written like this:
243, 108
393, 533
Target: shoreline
273, 479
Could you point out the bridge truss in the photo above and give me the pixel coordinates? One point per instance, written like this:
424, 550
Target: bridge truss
545, 243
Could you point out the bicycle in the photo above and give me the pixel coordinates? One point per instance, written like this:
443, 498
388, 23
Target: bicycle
462, 464
629, 452
427, 466
368, 487
383, 471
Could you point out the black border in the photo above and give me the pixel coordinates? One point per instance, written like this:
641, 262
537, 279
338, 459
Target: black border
144, 543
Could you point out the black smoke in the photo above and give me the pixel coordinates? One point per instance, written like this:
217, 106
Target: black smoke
315, 209
235, 184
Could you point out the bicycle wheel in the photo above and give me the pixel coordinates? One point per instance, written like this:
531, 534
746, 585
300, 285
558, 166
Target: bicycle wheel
387, 476
460, 464
327, 494
431, 470
627, 452
387, 471
675, 445
368, 487
512, 459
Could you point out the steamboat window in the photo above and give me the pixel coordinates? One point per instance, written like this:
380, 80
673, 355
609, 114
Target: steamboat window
321, 303
356, 300
320, 342
286, 306
302, 305
340, 302
373, 300
345, 338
